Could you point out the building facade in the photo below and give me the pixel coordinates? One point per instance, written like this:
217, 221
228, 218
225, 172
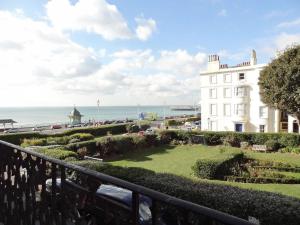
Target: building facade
230, 100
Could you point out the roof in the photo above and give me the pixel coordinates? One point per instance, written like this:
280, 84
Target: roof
75, 112
7, 121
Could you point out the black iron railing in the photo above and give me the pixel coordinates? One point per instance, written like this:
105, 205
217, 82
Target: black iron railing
36, 189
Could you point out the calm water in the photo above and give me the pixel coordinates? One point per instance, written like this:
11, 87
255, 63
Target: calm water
50, 115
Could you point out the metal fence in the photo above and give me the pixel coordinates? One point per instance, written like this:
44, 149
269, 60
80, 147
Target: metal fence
36, 189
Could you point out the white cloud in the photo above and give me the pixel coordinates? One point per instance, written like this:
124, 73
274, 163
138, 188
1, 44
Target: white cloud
96, 16
288, 24
222, 12
93, 16
145, 28
273, 45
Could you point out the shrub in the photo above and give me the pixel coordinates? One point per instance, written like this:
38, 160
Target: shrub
34, 142
217, 168
139, 141
289, 149
132, 128
82, 136
272, 145
192, 119
166, 136
174, 123
99, 131
231, 140
58, 140
19, 137
91, 146
82, 152
57, 153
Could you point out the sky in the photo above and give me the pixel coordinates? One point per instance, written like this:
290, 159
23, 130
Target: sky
74, 52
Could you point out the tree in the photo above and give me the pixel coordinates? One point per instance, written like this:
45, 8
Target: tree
279, 82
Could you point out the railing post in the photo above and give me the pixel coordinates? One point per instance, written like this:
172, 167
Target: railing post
62, 193
135, 208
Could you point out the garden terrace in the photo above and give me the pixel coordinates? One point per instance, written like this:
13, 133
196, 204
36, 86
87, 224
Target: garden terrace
36, 189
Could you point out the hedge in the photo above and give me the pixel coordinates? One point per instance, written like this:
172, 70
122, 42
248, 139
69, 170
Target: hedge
263, 180
99, 131
115, 144
57, 153
216, 168
217, 138
269, 208
18, 137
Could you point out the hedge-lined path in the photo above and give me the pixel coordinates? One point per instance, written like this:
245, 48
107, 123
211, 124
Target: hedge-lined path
179, 160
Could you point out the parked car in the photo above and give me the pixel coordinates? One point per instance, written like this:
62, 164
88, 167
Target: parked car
56, 126
12, 130
37, 129
119, 195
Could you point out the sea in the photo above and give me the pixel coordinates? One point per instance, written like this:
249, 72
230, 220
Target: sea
39, 116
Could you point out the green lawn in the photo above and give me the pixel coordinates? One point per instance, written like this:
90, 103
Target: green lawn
179, 159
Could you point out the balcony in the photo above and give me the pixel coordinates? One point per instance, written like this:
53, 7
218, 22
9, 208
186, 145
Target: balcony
38, 190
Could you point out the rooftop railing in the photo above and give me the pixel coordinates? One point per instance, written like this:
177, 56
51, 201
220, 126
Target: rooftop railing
38, 190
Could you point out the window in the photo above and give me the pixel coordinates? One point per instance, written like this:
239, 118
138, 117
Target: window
213, 109
262, 128
227, 110
241, 76
213, 79
227, 92
263, 112
227, 78
240, 91
213, 93
240, 109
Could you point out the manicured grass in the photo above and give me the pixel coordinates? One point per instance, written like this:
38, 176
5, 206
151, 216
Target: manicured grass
179, 159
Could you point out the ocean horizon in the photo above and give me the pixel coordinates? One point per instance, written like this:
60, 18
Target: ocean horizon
46, 115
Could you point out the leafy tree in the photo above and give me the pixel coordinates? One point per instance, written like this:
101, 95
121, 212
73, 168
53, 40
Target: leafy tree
279, 82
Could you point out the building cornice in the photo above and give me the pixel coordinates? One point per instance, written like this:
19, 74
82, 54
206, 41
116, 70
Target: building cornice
234, 69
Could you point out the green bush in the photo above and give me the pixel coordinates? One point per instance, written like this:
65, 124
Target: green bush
58, 140
231, 140
166, 136
139, 141
263, 180
132, 128
272, 145
192, 119
174, 122
289, 149
90, 145
217, 168
34, 142
269, 208
99, 131
57, 153
19, 137
81, 136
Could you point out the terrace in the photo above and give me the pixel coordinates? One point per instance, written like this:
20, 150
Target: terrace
25, 198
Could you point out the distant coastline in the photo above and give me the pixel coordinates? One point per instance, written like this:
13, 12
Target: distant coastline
47, 115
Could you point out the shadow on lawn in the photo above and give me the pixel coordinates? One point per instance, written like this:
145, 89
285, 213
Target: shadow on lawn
141, 155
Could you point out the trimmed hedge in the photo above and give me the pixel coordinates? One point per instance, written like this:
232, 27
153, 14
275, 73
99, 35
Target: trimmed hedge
99, 131
57, 153
216, 169
116, 144
269, 208
18, 137
217, 138
263, 180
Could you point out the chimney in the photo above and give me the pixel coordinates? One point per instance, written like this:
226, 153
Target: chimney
213, 63
253, 59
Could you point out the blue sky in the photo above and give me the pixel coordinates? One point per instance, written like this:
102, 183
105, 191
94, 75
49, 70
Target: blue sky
131, 52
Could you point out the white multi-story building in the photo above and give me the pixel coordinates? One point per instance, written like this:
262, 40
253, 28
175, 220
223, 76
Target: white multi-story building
230, 100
